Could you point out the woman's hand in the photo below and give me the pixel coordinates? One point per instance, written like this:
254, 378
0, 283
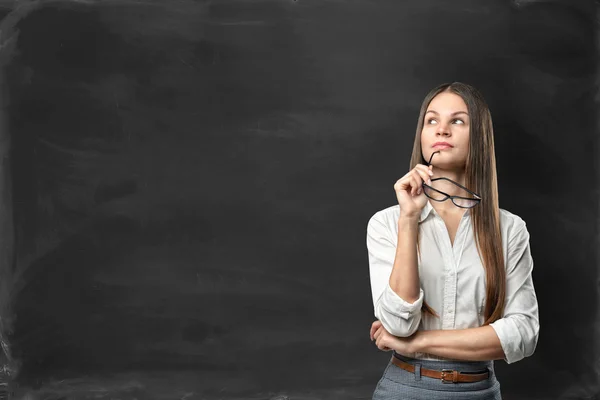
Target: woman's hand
386, 341
409, 190
378, 333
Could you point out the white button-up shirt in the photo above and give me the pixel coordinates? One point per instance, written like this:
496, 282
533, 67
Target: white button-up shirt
452, 279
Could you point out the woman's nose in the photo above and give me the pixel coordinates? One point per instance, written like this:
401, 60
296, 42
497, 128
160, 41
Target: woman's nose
443, 130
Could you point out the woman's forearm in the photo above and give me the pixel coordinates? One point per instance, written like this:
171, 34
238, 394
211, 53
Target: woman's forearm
473, 344
404, 279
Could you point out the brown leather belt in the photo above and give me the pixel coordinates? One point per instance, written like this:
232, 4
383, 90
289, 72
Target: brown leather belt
446, 375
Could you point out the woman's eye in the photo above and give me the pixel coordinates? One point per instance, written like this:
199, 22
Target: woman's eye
459, 120
431, 121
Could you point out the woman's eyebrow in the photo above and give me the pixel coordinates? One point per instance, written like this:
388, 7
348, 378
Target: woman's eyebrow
453, 114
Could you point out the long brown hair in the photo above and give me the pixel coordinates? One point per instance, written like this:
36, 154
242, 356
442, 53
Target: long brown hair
480, 172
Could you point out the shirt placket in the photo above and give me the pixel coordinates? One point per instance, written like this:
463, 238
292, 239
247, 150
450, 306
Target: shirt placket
450, 270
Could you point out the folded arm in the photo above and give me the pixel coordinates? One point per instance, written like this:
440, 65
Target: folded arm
393, 271
518, 330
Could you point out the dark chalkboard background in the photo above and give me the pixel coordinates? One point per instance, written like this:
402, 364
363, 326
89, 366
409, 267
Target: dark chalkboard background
192, 182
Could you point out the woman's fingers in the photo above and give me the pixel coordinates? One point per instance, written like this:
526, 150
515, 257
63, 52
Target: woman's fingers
380, 338
374, 326
418, 182
377, 333
410, 187
426, 169
413, 179
414, 185
423, 175
380, 343
399, 184
425, 172
405, 183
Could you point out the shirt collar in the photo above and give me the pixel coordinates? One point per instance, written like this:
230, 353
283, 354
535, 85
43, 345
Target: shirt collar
428, 209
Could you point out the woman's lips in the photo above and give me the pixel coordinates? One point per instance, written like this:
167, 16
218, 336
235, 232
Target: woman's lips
442, 146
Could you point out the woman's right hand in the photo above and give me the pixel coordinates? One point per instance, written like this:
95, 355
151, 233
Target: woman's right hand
409, 190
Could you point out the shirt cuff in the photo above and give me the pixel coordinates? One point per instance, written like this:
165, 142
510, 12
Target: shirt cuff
510, 339
396, 305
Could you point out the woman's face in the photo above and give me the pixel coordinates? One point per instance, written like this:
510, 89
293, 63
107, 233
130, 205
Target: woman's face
446, 120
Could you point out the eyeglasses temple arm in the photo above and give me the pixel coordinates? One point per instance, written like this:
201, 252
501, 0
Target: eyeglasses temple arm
430, 158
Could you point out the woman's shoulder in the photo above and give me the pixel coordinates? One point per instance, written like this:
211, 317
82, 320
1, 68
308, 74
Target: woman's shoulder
386, 217
511, 223
386, 214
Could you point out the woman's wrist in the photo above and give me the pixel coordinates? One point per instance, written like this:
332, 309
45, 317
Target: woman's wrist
409, 217
419, 344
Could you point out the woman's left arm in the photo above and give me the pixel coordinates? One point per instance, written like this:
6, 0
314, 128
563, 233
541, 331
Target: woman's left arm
512, 337
518, 330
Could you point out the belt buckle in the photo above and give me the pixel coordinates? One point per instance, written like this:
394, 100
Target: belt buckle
449, 372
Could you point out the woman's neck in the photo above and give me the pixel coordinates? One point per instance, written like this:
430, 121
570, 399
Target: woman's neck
449, 187
447, 209
457, 175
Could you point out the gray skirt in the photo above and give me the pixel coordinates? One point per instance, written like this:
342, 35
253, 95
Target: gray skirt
398, 384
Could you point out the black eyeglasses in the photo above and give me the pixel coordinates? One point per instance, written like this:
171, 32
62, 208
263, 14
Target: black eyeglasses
459, 201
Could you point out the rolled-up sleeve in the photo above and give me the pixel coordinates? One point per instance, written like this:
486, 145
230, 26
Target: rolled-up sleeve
398, 317
518, 329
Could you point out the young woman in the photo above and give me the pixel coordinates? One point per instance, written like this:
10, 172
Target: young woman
450, 271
